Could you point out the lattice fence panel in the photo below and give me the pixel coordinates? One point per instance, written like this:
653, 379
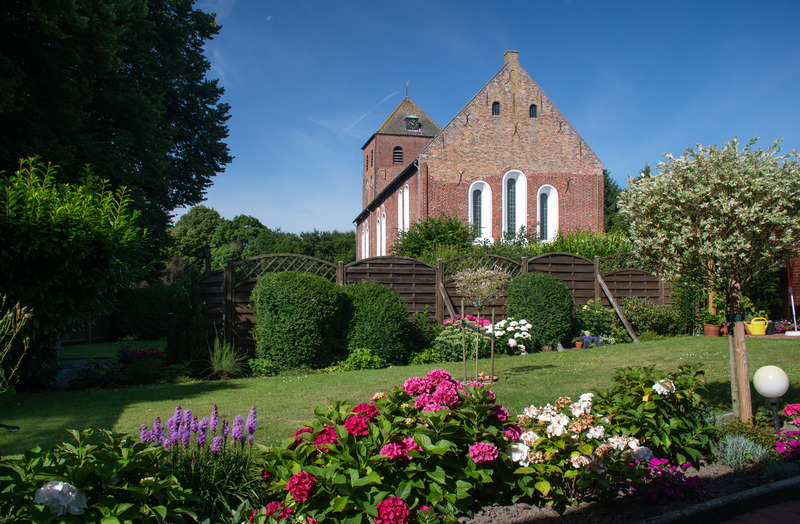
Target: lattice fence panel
253, 268
577, 272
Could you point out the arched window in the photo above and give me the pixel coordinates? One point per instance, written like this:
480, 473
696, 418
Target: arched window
495, 108
533, 111
400, 210
397, 155
515, 202
406, 208
365, 251
547, 198
383, 235
378, 238
480, 209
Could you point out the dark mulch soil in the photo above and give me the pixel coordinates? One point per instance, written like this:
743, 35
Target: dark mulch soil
718, 479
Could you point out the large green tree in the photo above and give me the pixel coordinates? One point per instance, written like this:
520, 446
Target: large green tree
192, 233
118, 84
718, 217
65, 250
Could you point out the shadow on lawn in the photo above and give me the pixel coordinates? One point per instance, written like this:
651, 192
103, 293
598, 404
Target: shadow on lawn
53, 413
718, 396
521, 370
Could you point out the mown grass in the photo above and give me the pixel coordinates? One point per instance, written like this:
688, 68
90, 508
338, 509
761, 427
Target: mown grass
106, 349
285, 402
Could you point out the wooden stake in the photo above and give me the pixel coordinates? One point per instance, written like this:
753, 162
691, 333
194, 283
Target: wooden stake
491, 374
742, 374
464, 340
734, 380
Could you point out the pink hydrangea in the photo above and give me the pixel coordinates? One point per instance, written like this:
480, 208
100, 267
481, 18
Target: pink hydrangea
392, 510
275, 509
447, 394
297, 439
513, 432
483, 452
393, 450
437, 376
434, 406
326, 436
791, 409
410, 444
301, 486
423, 400
357, 425
368, 410
500, 412
416, 385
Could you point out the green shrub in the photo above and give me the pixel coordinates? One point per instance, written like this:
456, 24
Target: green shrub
664, 411
763, 436
102, 373
433, 231
121, 478
426, 356
380, 322
646, 315
598, 319
187, 339
143, 366
739, 452
261, 367
449, 347
299, 320
545, 302
142, 312
686, 299
359, 358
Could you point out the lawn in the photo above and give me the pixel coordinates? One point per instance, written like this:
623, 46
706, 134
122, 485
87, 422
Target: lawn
285, 402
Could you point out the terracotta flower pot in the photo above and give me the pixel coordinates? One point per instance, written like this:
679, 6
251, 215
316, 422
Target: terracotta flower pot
711, 330
578, 345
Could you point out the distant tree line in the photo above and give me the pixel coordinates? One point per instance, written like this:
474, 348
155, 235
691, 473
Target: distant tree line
244, 236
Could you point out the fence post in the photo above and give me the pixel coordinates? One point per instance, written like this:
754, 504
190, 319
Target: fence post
524, 267
661, 291
597, 289
228, 299
439, 282
340, 273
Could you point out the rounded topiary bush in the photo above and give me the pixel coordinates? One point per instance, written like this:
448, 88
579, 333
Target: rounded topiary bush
299, 319
449, 346
380, 322
545, 302
646, 316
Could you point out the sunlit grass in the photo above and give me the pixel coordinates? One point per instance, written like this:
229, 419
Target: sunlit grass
285, 402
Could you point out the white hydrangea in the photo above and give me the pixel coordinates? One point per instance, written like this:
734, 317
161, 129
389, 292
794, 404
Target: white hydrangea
664, 387
643, 454
597, 432
529, 437
518, 451
586, 397
556, 430
61, 497
579, 461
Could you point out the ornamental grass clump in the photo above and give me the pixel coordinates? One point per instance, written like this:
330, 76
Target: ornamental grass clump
216, 459
433, 446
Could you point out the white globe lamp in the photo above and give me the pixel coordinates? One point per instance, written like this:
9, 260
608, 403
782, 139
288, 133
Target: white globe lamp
772, 383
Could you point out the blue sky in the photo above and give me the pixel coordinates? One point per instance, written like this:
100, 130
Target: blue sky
309, 82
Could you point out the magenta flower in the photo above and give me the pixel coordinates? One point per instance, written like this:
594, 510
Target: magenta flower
392, 510
423, 400
483, 452
275, 509
437, 376
416, 385
301, 486
791, 409
252, 421
447, 394
326, 436
368, 410
297, 439
410, 444
513, 432
500, 412
393, 450
357, 425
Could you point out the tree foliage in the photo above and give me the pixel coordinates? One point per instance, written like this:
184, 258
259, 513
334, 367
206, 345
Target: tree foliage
192, 233
718, 217
434, 231
65, 249
121, 85
612, 220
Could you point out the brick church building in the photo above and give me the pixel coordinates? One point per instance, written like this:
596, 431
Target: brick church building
509, 159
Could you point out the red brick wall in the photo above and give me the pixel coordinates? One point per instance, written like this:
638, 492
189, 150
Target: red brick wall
382, 168
476, 145
795, 263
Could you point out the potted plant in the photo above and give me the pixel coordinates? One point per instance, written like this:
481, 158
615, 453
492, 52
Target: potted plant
712, 323
578, 341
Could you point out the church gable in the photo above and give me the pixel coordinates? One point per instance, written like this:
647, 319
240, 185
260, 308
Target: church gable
516, 125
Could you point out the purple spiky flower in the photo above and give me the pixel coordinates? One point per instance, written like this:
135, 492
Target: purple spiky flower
214, 418
237, 431
252, 421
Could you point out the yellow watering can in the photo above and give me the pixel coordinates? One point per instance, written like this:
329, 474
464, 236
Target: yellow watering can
758, 326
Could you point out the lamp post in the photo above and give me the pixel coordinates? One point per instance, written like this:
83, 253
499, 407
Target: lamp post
772, 383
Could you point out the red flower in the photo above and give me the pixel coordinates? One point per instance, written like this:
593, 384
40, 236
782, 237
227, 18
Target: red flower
392, 510
357, 425
368, 410
326, 436
301, 486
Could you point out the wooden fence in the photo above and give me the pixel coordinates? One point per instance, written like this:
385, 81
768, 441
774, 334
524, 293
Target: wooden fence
421, 285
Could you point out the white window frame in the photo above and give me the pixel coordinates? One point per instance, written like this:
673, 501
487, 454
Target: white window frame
406, 208
486, 209
552, 211
382, 247
521, 212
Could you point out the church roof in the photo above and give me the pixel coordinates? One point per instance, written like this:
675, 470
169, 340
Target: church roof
397, 123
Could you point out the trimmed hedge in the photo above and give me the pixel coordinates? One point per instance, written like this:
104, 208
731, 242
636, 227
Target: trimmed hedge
545, 302
646, 316
299, 320
380, 322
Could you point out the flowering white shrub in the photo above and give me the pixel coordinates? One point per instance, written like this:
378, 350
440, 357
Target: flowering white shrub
61, 497
512, 335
